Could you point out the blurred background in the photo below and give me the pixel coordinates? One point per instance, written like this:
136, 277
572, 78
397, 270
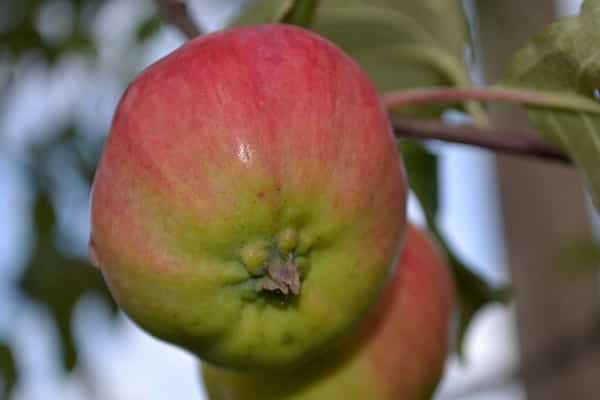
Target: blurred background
63, 67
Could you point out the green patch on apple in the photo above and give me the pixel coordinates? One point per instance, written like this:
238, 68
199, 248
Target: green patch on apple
397, 353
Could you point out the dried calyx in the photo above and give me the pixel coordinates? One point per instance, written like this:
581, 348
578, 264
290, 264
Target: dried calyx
278, 267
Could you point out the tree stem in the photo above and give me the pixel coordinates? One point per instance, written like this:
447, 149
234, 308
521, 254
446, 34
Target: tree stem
524, 143
176, 13
538, 98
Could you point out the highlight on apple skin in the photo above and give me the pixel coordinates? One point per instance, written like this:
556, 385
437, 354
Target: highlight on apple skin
398, 354
249, 204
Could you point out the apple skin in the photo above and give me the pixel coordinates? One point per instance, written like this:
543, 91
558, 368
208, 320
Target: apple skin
240, 151
398, 354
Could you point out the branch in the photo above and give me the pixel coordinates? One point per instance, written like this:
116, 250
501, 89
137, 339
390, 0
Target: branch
539, 98
524, 144
176, 13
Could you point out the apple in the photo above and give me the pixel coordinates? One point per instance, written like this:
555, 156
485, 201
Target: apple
398, 354
249, 204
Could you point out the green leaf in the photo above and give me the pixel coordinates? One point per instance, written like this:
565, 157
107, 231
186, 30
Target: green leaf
401, 44
148, 27
45, 281
298, 12
51, 278
565, 58
451, 34
473, 291
24, 38
21, 36
421, 168
44, 215
8, 370
80, 42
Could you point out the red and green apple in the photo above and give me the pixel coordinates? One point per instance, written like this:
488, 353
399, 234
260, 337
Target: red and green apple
249, 204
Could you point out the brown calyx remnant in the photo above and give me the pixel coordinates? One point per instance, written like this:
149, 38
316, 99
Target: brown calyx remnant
282, 277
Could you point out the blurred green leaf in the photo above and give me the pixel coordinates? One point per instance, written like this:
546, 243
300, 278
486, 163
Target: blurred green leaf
450, 35
58, 282
22, 35
51, 278
401, 44
44, 216
8, 371
148, 28
564, 58
298, 12
80, 42
23, 39
422, 166
474, 292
